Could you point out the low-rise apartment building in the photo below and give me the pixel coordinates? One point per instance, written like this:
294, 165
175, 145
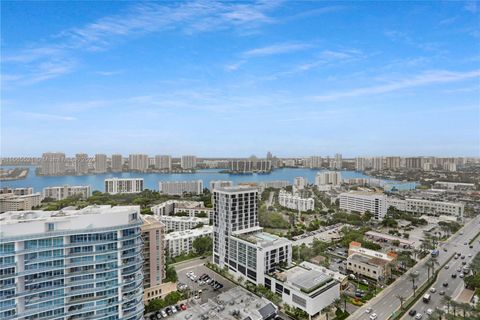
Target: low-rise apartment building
306, 286
361, 202
179, 188
123, 185
175, 223
182, 207
63, 192
295, 201
17, 191
12, 202
181, 242
435, 208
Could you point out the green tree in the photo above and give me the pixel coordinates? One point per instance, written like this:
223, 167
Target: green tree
171, 274
202, 245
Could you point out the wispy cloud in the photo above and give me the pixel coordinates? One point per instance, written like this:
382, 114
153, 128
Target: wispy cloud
37, 62
427, 78
471, 6
275, 49
109, 73
46, 116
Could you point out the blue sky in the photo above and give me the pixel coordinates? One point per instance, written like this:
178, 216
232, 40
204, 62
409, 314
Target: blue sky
241, 78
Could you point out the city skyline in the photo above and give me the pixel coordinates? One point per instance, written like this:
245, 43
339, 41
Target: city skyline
230, 78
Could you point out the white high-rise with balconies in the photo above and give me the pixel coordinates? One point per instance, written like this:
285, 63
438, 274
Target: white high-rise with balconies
100, 163
72, 264
123, 185
81, 163
181, 187
138, 162
239, 242
52, 164
188, 162
117, 163
163, 162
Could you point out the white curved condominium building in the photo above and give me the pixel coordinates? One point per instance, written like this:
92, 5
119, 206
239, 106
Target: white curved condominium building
295, 202
83, 264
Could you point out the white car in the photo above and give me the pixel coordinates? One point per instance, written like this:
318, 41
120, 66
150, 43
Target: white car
433, 290
373, 316
368, 310
418, 316
429, 312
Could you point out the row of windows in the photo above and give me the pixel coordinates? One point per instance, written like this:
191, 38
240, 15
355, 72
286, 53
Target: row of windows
93, 237
43, 243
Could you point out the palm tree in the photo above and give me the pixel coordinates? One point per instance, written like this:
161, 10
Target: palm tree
437, 314
337, 303
402, 299
344, 298
465, 307
327, 310
448, 301
413, 276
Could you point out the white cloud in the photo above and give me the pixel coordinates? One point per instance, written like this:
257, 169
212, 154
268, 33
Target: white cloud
275, 49
46, 116
432, 77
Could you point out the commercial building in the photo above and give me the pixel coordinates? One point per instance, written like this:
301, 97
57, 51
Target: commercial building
123, 185
12, 202
153, 234
163, 162
219, 184
306, 286
176, 223
179, 188
295, 201
181, 242
361, 202
435, 208
189, 208
100, 163
188, 162
117, 163
81, 163
333, 178
138, 162
63, 192
369, 263
454, 186
52, 164
239, 242
72, 264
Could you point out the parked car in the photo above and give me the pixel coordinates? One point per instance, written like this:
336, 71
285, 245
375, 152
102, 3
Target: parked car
418, 316
373, 316
445, 284
412, 312
368, 310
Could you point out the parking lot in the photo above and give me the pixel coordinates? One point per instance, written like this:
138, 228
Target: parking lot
207, 291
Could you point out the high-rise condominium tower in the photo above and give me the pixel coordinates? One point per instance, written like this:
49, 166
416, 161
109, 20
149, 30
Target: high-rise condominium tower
52, 164
72, 264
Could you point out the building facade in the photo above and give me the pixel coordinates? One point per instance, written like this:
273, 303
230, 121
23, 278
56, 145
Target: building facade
138, 162
175, 223
179, 188
100, 163
123, 185
52, 164
239, 242
117, 163
163, 162
12, 202
188, 162
72, 264
63, 192
181, 242
361, 202
81, 163
295, 202
369, 263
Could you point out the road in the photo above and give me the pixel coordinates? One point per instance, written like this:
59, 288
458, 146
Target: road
455, 285
386, 303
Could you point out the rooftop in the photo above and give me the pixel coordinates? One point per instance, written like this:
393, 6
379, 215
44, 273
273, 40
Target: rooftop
203, 231
236, 189
367, 260
256, 236
307, 277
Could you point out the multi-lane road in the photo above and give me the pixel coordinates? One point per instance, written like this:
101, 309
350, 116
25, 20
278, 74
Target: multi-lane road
387, 302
